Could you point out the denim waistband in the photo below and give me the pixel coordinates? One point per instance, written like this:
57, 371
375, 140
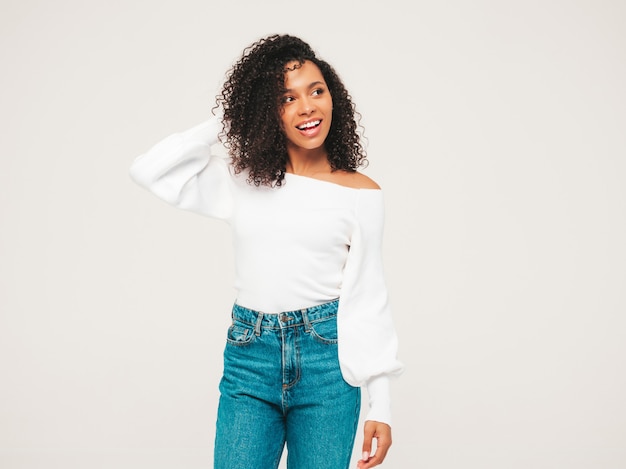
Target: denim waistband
299, 317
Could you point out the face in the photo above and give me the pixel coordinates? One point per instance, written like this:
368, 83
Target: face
307, 107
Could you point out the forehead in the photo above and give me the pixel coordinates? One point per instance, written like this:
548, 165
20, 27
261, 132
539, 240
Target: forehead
302, 74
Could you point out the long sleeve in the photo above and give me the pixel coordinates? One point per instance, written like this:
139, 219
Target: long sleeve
181, 171
368, 343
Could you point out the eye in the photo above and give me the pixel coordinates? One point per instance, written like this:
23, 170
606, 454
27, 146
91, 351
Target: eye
317, 91
287, 99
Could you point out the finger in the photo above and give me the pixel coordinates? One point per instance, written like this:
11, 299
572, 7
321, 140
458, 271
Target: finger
368, 436
382, 447
371, 462
383, 443
375, 460
363, 463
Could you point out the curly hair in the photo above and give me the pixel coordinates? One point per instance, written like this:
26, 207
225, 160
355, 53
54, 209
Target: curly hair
251, 102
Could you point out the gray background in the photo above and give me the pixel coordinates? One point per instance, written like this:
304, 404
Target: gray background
497, 130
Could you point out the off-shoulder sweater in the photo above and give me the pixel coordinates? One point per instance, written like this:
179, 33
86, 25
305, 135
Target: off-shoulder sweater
302, 244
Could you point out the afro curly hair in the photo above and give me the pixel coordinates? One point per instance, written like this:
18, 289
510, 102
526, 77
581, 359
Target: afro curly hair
251, 102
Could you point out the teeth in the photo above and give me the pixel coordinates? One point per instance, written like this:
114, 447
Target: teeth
308, 125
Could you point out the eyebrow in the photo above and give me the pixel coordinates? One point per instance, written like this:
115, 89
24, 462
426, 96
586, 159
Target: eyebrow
311, 85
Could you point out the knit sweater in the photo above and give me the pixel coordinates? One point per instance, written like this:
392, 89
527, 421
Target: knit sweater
299, 245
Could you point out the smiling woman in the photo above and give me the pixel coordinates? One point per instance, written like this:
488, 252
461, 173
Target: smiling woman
258, 96
307, 112
311, 323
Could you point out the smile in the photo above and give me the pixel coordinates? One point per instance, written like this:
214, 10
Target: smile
308, 125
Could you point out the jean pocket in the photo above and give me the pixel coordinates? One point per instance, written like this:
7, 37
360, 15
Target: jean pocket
240, 334
325, 330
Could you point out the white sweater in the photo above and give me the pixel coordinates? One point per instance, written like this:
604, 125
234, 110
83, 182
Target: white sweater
299, 245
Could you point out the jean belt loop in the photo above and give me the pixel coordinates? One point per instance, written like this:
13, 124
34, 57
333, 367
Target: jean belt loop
257, 327
305, 318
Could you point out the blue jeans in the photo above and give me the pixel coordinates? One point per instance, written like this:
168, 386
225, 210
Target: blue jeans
282, 385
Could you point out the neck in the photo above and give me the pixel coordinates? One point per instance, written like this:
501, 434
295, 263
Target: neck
308, 162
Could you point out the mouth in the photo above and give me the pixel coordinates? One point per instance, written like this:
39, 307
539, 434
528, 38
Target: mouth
309, 125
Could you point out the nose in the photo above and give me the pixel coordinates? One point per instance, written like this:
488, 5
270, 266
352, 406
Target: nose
306, 106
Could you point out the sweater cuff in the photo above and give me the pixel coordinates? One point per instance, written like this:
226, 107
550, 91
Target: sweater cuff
380, 400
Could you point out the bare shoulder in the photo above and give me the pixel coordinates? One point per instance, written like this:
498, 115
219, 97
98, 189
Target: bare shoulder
353, 179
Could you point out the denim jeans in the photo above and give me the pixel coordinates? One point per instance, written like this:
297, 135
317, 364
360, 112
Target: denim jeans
282, 385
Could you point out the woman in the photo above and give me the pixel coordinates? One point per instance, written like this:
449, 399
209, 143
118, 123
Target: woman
311, 323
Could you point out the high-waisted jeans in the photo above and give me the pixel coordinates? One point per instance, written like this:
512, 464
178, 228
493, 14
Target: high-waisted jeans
282, 385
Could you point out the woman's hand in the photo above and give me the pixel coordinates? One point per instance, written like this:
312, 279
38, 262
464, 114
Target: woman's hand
382, 433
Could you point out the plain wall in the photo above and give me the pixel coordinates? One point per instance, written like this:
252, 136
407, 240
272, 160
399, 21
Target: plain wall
498, 132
